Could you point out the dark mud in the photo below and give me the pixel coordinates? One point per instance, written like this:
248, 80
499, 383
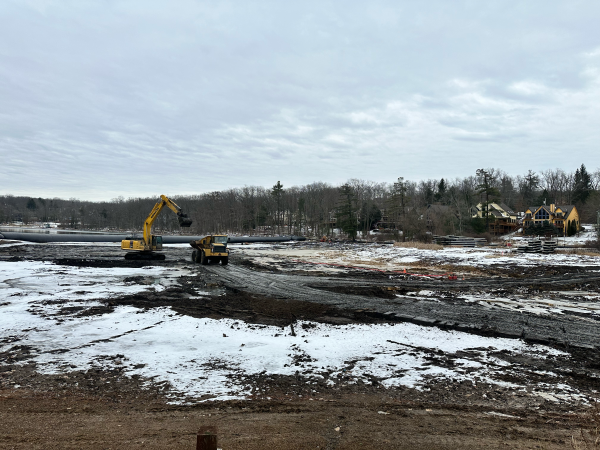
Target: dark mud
98, 263
365, 291
239, 305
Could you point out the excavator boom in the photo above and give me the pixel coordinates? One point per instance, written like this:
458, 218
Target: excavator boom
183, 219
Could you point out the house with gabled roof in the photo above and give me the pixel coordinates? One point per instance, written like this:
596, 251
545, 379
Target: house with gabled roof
560, 216
502, 219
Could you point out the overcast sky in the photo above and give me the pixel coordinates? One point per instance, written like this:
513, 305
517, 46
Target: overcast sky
139, 98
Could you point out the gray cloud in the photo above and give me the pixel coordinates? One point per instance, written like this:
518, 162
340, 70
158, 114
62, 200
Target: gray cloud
101, 99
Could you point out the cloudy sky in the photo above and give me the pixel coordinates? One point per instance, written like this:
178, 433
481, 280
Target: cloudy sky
137, 98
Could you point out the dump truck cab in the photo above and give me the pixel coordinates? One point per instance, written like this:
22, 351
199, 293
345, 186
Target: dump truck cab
209, 249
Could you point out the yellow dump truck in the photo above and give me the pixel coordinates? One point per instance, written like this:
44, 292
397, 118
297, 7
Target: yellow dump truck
211, 249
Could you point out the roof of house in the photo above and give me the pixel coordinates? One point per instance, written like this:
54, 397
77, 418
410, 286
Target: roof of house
506, 208
566, 209
535, 208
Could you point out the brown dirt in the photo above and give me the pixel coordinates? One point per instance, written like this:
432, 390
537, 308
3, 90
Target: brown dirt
74, 420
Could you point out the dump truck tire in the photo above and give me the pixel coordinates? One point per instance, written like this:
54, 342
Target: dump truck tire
203, 258
194, 255
225, 260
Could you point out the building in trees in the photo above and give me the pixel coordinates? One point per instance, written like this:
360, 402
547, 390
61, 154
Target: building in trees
501, 218
564, 218
386, 222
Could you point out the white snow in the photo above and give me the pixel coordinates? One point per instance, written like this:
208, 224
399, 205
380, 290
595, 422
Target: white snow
206, 358
588, 234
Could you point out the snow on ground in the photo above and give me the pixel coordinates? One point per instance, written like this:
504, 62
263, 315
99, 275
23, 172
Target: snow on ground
389, 257
550, 304
398, 258
588, 234
206, 358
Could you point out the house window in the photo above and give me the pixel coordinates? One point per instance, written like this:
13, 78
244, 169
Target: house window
542, 214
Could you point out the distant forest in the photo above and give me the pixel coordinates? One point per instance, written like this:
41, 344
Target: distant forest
316, 209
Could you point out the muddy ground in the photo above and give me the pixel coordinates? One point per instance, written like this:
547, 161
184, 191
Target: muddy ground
107, 409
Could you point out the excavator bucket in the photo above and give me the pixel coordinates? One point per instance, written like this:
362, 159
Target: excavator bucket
184, 220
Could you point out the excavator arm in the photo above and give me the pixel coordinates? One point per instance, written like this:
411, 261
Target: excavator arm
183, 219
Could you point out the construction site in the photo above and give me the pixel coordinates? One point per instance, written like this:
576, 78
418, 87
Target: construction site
299, 225
296, 343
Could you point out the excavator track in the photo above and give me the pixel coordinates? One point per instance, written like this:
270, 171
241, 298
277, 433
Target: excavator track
144, 256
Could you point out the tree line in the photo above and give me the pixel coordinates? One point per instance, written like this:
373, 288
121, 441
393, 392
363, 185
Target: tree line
407, 208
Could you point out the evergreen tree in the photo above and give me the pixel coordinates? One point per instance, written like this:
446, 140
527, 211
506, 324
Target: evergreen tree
428, 194
528, 188
277, 192
543, 198
485, 187
582, 185
441, 191
346, 213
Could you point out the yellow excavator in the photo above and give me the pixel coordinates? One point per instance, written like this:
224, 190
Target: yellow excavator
145, 248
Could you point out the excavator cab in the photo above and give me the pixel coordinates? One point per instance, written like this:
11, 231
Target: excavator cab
157, 242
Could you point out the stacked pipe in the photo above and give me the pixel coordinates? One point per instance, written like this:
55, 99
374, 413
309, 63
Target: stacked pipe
459, 241
99, 237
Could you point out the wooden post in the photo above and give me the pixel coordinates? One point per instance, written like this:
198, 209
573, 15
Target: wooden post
207, 438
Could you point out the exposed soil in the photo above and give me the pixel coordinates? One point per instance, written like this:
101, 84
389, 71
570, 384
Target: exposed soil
239, 305
100, 408
67, 420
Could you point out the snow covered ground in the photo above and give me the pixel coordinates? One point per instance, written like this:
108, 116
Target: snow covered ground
389, 257
205, 358
588, 234
399, 258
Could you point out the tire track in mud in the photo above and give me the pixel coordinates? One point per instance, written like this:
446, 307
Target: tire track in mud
564, 330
